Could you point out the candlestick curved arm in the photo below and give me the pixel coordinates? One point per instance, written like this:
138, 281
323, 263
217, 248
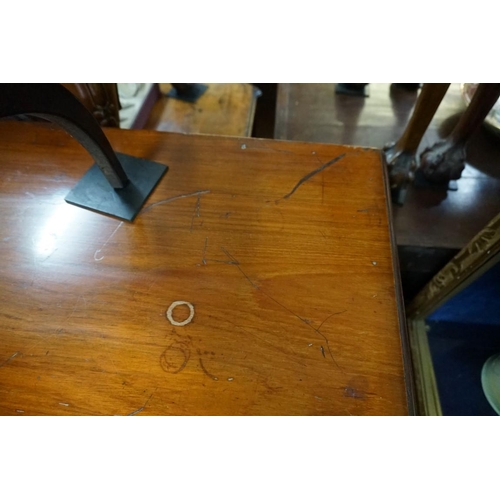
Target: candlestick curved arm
117, 184
52, 102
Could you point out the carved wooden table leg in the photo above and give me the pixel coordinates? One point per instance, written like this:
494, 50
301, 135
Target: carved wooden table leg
445, 160
400, 156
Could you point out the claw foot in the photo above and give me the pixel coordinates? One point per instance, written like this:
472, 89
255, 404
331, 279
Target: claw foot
443, 161
401, 166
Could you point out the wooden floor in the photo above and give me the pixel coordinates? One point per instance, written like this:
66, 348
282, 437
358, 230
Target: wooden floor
313, 112
224, 109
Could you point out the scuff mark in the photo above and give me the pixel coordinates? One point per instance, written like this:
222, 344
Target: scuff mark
169, 200
312, 174
351, 392
64, 404
9, 359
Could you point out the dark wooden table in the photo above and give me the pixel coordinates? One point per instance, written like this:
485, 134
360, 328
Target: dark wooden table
291, 277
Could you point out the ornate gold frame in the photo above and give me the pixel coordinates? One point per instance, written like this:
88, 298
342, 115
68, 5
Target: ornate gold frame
481, 253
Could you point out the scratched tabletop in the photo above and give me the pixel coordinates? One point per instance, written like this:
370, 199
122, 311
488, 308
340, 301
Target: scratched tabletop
258, 279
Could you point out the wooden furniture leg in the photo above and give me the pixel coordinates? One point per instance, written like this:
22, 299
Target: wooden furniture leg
101, 99
445, 160
401, 155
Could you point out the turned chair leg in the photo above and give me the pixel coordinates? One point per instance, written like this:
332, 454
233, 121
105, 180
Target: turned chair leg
445, 160
401, 155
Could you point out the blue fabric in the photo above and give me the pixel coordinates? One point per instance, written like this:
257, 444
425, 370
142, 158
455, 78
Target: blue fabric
464, 333
479, 303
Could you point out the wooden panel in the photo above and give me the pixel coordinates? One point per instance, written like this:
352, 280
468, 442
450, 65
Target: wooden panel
294, 294
313, 112
224, 109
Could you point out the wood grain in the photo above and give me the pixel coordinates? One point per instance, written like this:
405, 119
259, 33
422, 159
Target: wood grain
224, 109
294, 298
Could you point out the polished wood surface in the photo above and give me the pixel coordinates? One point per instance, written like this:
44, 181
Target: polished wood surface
429, 218
284, 254
224, 109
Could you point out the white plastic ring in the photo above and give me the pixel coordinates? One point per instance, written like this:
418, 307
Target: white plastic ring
173, 305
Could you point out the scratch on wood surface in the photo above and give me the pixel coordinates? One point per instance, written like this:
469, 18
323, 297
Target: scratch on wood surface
196, 212
169, 200
323, 351
232, 260
8, 359
228, 262
143, 407
322, 187
106, 242
333, 314
206, 372
312, 174
237, 264
276, 347
305, 321
264, 147
136, 412
204, 260
80, 297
